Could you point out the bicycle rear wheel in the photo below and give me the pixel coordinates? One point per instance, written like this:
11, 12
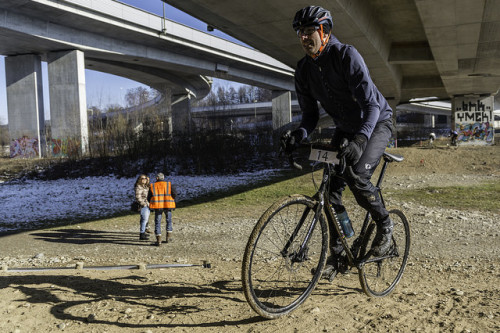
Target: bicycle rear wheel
379, 277
276, 272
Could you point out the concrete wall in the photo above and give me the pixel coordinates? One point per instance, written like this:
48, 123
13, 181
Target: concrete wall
23, 76
473, 120
68, 103
281, 108
181, 117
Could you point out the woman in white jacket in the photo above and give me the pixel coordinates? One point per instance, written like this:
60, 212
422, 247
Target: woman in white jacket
141, 189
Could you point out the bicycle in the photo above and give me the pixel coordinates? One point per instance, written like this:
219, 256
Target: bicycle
287, 249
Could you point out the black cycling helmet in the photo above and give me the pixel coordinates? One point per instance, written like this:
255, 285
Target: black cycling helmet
312, 16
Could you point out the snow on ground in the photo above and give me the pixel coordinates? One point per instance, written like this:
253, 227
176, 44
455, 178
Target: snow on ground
28, 204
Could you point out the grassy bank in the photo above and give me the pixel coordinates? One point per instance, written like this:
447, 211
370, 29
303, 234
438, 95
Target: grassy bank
251, 202
481, 197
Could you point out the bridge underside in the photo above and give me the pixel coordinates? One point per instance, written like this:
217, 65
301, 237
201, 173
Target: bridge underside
116, 39
414, 49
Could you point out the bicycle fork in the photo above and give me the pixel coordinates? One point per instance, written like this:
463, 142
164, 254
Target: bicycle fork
301, 254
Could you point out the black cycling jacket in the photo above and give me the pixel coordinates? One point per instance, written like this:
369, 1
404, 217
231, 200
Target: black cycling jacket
340, 81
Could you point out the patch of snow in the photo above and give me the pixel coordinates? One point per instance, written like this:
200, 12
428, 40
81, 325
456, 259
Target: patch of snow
34, 202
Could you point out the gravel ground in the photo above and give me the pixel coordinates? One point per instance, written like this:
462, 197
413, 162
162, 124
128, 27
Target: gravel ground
452, 282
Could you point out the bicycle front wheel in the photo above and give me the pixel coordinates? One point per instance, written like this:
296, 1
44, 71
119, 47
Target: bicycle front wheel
379, 276
282, 251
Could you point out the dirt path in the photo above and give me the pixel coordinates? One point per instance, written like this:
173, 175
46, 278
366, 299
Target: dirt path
452, 282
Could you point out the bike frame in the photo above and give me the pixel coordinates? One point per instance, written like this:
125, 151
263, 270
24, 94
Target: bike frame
321, 196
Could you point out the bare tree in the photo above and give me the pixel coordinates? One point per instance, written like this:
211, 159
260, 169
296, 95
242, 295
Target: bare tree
137, 96
242, 94
4, 137
263, 95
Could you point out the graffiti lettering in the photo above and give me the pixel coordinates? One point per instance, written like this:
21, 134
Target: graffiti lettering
64, 147
474, 120
473, 106
473, 116
24, 148
475, 133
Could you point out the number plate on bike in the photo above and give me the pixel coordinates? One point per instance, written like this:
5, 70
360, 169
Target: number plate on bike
321, 155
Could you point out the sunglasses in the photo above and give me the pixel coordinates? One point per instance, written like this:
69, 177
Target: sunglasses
307, 31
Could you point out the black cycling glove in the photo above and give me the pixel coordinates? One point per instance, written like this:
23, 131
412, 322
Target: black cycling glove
290, 139
353, 149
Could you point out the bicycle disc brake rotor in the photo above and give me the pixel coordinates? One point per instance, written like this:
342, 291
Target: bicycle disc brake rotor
294, 259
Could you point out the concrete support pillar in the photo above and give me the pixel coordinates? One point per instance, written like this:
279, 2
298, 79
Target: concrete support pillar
473, 119
393, 104
165, 111
394, 140
281, 108
68, 103
23, 76
181, 114
429, 121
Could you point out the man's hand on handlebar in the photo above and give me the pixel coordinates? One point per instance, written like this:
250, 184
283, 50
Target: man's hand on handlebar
291, 139
352, 150
349, 155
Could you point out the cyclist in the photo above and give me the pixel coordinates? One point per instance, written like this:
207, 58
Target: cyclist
335, 75
432, 137
454, 136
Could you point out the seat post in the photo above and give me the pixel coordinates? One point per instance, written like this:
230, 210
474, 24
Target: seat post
382, 173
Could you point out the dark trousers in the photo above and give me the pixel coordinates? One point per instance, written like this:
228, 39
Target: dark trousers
363, 190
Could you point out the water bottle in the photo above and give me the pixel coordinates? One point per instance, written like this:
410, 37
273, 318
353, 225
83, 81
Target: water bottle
345, 223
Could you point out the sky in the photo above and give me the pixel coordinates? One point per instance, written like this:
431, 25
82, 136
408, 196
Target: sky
105, 89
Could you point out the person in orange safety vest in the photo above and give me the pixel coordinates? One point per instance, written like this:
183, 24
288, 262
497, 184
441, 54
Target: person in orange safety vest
161, 198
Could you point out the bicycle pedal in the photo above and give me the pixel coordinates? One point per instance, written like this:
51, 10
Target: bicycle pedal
343, 267
332, 276
344, 271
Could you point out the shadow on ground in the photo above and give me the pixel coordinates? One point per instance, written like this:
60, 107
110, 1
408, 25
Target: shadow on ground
71, 297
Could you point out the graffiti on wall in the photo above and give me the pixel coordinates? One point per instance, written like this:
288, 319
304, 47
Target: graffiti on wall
475, 133
474, 120
64, 147
24, 147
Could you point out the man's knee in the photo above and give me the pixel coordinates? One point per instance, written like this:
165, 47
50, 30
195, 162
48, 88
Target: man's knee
368, 198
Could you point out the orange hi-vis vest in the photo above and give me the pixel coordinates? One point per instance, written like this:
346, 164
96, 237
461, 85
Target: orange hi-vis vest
161, 195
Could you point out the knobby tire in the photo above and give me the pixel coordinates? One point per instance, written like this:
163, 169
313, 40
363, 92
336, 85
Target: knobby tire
379, 277
275, 283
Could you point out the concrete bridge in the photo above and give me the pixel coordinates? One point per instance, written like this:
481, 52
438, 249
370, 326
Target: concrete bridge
112, 37
256, 115
413, 48
448, 49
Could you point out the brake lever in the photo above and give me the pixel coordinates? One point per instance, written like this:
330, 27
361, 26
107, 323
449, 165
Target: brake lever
347, 169
291, 159
282, 150
296, 165
351, 173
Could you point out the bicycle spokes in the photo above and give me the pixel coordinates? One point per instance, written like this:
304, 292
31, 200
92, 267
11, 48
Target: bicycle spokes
286, 252
296, 231
287, 242
299, 256
380, 275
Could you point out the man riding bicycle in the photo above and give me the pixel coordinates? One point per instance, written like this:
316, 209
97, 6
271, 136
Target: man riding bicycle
336, 75
454, 136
